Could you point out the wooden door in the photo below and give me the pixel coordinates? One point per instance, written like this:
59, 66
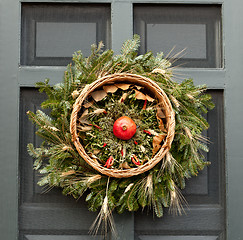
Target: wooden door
31, 50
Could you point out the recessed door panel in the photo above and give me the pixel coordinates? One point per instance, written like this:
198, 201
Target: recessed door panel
51, 33
190, 35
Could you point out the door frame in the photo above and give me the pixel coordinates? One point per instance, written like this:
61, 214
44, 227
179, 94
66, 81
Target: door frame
13, 77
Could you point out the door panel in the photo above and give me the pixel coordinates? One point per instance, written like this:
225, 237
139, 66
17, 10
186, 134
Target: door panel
52, 212
45, 212
206, 212
193, 29
198, 29
51, 33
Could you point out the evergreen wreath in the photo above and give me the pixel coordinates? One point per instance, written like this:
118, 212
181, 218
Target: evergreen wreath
59, 161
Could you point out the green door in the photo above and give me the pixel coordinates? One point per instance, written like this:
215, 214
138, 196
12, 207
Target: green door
37, 40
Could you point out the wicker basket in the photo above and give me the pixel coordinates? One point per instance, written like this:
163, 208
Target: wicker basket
165, 104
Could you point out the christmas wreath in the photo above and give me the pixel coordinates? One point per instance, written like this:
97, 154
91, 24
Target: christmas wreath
121, 131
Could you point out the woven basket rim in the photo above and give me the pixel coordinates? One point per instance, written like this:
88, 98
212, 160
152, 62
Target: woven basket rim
139, 80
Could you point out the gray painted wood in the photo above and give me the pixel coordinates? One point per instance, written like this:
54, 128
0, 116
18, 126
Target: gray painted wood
206, 211
13, 77
60, 237
178, 237
9, 29
196, 29
54, 212
121, 24
233, 19
213, 78
39, 212
51, 33
138, 1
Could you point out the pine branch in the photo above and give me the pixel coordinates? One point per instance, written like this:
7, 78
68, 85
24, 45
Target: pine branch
130, 47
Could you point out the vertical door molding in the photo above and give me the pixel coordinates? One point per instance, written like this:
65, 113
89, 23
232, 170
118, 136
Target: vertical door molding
233, 20
9, 48
121, 23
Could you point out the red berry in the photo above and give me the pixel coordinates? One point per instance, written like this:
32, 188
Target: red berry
124, 128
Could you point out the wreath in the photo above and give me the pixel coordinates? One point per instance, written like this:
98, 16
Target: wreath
121, 132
